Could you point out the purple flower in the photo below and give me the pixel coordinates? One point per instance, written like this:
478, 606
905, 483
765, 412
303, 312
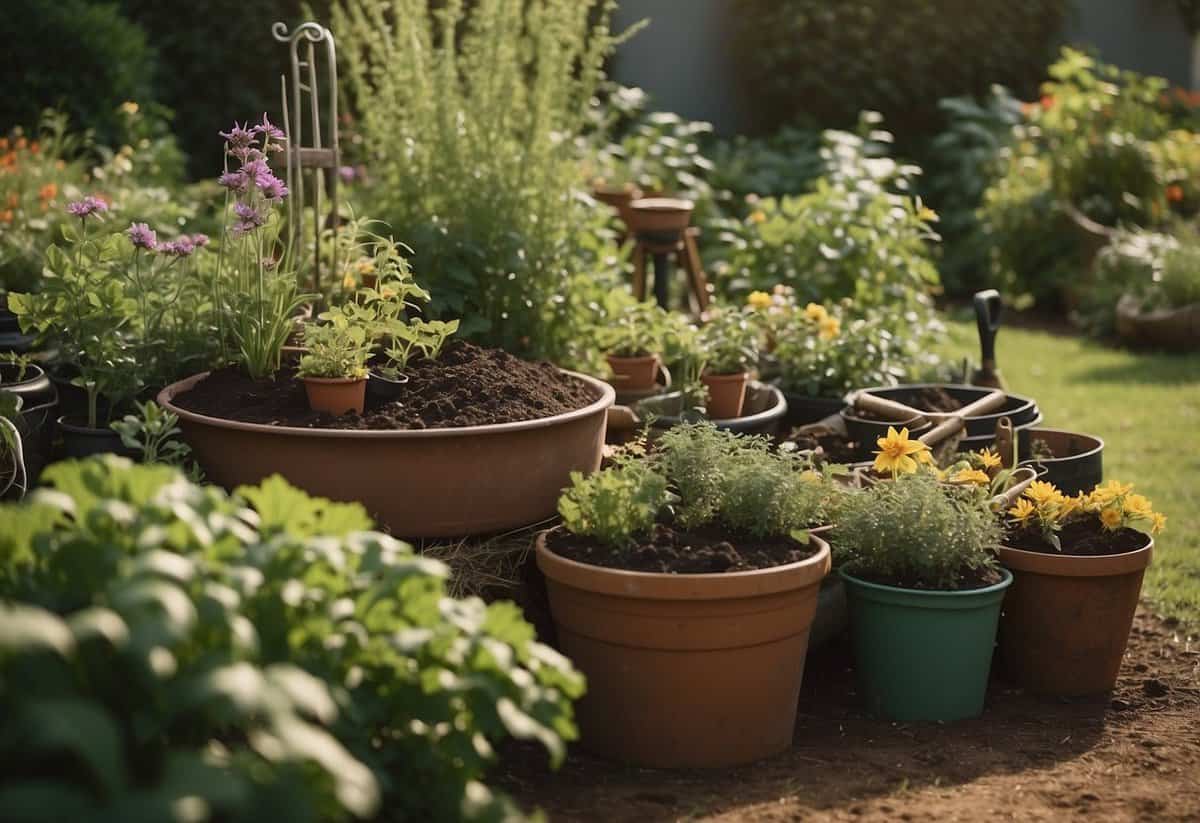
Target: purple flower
233, 180
347, 173
249, 219
86, 206
268, 129
257, 172
182, 247
200, 240
238, 137
142, 236
273, 188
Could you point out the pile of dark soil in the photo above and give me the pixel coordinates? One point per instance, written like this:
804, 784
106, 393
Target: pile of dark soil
1081, 538
827, 448
707, 550
466, 386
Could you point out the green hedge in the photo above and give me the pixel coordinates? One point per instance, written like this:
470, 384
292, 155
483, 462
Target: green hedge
83, 56
821, 61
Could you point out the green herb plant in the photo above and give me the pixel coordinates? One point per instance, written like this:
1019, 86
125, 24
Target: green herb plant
336, 349
730, 341
154, 434
635, 331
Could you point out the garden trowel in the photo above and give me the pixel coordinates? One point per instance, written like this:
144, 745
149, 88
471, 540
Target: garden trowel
987, 317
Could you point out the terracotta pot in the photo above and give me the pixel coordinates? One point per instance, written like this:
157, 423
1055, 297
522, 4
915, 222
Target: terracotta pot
726, 394
446, 482
618, 197
1077, 464
762, 410
336, 395
1067, 618
659, 215
634, 373
685, 670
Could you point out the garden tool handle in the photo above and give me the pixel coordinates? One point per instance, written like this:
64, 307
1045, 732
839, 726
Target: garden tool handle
1004, 442
889, 410
947, 428
988, 307
1022, 477
989, 402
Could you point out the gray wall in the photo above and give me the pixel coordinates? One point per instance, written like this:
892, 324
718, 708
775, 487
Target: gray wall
684, 58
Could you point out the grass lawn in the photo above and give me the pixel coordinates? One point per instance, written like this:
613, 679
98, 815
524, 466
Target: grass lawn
1146, 408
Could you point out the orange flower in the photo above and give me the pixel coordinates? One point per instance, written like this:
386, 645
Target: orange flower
48, 191
1047, 101
6, 216
9, 160
20, 143
34, 147
1174, 192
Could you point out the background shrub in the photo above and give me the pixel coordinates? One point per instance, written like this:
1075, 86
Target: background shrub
86, 57
816, 61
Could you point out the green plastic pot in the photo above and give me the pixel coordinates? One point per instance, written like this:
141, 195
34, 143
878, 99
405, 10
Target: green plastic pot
923, 655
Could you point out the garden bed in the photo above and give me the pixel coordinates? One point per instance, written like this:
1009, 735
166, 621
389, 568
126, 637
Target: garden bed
1132, 755
466, 386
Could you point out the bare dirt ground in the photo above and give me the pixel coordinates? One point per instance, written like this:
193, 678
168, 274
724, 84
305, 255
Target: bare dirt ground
1133, 755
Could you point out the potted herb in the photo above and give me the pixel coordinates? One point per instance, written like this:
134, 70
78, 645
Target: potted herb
334, 367
918, 557
421, 337
684, 585
730, 344
1077, 563
632, 344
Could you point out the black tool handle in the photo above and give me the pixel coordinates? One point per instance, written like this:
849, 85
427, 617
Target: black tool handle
987, 316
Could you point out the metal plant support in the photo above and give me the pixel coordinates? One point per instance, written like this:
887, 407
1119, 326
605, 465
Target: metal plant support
316, 162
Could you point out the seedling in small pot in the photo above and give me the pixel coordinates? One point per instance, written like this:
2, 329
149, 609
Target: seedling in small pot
632, 343
730, 341
334, 369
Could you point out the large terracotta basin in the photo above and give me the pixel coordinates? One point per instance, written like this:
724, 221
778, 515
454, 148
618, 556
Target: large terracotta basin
448, 482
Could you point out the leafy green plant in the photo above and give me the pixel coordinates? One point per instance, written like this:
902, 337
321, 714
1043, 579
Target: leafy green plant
858, 233
426, 337
21, 364
751, 168
12, 455
486, 98
247, 656
635, 330
615, 505
154, 434
730, 341
917, 532
335, 350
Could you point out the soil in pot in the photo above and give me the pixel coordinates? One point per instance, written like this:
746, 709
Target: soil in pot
833, 447
466, 386
1068, 614
927, 398
707, 550
686, 670
923, 655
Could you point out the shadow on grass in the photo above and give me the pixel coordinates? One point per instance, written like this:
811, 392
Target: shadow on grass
1143, 369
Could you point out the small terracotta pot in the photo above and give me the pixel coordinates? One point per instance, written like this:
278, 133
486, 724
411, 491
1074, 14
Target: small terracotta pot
726, 394
617, 197
659, 215
1066, 618
336, 395
685, 670
634, 373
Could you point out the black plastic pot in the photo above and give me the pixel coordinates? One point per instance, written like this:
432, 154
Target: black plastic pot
764, 409
39, 407
804, 409
865, 432
11, 338
1020, 410
1078, 462
385, 389
79, 440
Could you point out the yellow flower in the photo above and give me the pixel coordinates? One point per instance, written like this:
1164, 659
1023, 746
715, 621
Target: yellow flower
348, 282
365, 265
926, 457
1138, 506
758, 216
830, 327
1158, 522
815, 312
988, 458
1021, 511
129, 107
927, 214
975, 476
895, 452
759, 300
1067, 506
1110, 517
1110, 491
1043, 494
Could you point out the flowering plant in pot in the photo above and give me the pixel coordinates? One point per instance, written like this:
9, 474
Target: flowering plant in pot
1077, 563
689, 566
918, 556
632, 345
334, 366
730, 342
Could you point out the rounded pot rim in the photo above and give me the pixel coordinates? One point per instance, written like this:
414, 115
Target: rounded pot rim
607, 395
334, 381
773, 412
1078, 565
1025, 402
33, 378
704, 586
641, 358
1034, 431
933, 594
75, 428
847, 412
